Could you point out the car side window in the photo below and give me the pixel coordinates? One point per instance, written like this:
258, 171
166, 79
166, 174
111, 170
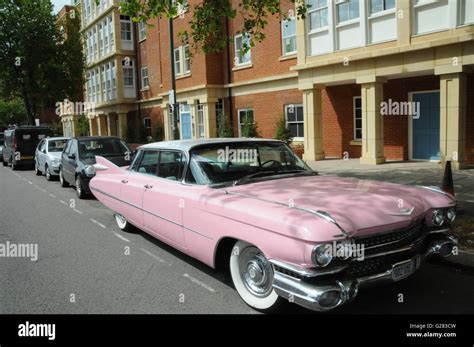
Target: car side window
43, 146
136, 162
73, 148
171, 165
149, 163
68, 147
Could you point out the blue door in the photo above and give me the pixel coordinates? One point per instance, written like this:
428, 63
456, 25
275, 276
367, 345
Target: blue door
426, 127
185, 116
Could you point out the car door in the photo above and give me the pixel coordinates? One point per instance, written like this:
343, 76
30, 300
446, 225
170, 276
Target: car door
41, 155
162, 202
133, 186
69, 163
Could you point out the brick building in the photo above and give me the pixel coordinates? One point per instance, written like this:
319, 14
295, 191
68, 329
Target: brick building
328, 75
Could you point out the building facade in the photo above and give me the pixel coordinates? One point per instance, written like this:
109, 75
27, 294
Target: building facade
369, 79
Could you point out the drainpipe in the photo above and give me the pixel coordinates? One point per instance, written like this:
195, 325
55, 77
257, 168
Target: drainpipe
137, 75
173, 79
229, 74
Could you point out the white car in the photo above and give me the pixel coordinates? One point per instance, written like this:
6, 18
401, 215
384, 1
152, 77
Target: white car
48, 156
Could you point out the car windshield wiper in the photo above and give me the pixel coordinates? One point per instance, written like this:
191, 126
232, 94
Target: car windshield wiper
271, 173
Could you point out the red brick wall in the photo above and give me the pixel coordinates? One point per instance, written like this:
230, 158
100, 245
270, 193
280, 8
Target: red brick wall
470, 120
267, 107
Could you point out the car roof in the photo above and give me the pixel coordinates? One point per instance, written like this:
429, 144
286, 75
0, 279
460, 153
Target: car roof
57, 138
96, 137
187, 145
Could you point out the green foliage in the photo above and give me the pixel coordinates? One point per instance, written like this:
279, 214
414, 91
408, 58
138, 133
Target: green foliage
11, 112
248, 127
82, 126
57, 127
159, 133
282, 131
207, 32
225, 130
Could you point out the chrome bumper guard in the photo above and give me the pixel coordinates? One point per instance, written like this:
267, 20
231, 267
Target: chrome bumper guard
325, 297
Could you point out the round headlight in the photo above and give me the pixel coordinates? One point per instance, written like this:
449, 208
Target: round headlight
89, 170
438, 217
451, 214
322, 255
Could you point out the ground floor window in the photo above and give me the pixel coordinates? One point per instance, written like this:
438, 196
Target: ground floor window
295, 121
219, 112
147, 126
200, 121
357, 118
245, 114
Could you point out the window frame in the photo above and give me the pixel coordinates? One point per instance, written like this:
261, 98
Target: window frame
348, 4
318, 10
247, 109
237, 56
283, 37
354, 109
142, 32
144, 78
288, 106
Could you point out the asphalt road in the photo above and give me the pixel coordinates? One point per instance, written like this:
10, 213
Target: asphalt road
86, 265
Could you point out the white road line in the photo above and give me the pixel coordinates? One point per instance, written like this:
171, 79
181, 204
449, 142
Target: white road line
43, 190
62, 202
154, 256
121, 237
205, 286
75, 210
29, 182
99, 224
52, 195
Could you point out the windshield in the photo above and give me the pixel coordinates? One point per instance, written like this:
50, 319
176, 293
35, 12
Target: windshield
56, 145
102, 147
233, 162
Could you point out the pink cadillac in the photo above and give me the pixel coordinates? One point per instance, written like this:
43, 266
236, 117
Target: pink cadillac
285, 232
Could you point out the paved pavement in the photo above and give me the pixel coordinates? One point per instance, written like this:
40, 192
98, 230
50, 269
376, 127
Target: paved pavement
86, 265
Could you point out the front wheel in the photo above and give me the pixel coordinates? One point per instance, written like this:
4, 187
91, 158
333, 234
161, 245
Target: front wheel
48, 174
81, 194
63, 182
122, 223
252, 275
37, 170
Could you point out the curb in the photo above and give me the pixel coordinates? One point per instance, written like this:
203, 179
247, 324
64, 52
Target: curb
464, 258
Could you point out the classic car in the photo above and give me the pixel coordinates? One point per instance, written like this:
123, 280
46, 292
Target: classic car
285, 232
48, 156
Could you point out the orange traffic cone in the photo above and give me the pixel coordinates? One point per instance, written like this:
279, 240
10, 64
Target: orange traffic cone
448, 185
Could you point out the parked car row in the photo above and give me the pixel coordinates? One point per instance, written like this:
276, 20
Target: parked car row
253, 207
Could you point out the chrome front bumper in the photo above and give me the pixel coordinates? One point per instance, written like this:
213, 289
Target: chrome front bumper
311, 296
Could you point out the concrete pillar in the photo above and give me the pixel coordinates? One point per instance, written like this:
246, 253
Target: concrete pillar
210, 121
403, 13
75, 125
372, 120
112, 124
102, 124
313, 124
166, 123
122, 120
453, 119
93, 127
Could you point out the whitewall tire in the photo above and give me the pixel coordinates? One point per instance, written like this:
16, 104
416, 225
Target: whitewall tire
252, 275
122, 223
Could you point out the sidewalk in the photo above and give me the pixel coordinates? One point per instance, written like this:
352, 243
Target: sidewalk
416, 173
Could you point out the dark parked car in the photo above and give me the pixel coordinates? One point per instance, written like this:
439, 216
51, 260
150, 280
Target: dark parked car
78, 159
20, 143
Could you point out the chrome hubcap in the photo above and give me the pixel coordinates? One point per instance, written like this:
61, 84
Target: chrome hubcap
78, 186
256, 272
120, 219
47, 173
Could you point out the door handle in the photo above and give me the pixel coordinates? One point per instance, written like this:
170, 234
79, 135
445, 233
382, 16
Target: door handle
124, 181
148, 186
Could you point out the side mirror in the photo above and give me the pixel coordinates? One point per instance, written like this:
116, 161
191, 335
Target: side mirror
72, 156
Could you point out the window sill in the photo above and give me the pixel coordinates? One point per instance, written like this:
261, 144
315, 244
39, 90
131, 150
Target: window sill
242, 66
356, 143
145, 89
140, 41
288, 57
178, 77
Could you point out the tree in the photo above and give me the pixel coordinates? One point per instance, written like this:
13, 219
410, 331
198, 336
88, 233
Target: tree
248, 127
224, 130
34, 56
11, 112
207, 30
282, 131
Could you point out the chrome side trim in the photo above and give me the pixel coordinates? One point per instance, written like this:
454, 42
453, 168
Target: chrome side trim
438, 190
151, 213
322, 214
307, 272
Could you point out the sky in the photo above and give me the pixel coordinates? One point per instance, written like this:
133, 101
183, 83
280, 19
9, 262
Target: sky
58, 4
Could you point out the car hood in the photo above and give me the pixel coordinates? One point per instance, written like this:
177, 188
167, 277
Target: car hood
54, 155
358, 206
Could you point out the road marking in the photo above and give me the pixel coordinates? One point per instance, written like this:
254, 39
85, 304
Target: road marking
52, 195
99, 224
29, 182
62, 202
152, 255
43, 190
121, 237
75, 210
205, 286
471, 201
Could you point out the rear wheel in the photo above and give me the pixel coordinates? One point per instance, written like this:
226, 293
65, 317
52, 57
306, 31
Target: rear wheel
48, 173
252, 275
37, 170
122, 223
61, 179
79, 188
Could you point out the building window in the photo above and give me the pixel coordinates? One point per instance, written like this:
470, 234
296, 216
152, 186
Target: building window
125, 28
114, 81
127, 67
144, 74
381, 5
200, 121
288, 32
111, 33
147, 126
219, 113
357, 118
318, 14
295, 121
467, 11
239, 42
141, 31
177, 62
245, 114
187, 59
347, 10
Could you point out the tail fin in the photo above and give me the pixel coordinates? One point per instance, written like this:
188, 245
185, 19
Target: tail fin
103, 165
